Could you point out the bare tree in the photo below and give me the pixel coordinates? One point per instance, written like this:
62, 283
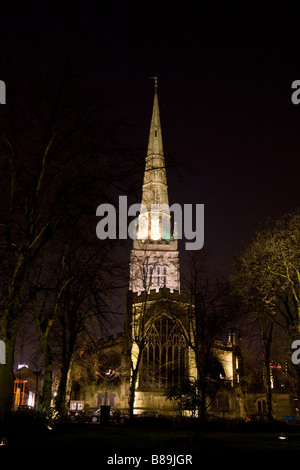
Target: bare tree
86, 296
266, 278
135, 327
57, 148
209, 319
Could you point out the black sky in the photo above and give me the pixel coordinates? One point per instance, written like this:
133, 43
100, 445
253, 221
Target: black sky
225, 80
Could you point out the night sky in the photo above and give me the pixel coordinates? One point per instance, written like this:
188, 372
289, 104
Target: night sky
224, 91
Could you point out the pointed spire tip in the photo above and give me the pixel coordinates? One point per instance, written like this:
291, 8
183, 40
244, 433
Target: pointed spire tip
155, 82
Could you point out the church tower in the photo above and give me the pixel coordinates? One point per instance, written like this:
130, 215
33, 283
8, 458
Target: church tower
154, 259
155, 345
159, 344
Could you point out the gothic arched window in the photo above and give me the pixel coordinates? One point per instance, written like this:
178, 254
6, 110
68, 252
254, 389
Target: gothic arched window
262, 406
164, 358
150, 276
144, 273
158, 276
165, 276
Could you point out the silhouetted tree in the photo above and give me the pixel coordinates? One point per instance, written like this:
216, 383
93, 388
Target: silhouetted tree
210, 318
266, 278
59, 160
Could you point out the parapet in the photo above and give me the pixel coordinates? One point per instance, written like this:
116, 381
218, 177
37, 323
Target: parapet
154, 295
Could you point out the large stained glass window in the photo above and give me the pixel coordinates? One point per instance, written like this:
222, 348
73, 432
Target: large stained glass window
164, 359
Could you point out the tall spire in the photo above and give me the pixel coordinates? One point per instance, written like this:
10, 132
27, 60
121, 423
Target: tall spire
154, 259
154, 220
155, 144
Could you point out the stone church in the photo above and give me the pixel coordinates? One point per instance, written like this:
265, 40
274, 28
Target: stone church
155, 349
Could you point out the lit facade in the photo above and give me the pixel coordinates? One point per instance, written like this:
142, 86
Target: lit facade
158, 311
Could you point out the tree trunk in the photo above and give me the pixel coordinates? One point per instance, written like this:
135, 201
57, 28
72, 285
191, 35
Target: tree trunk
134, 377
7, 385
62, 392
132, 393
296, 370
60, 400
268, 385
203, 397
201, 379
267, 341
48, 364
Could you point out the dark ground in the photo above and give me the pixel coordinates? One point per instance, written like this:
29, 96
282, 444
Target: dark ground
96, 443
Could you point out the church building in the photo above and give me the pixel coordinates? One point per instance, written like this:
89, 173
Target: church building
156, 353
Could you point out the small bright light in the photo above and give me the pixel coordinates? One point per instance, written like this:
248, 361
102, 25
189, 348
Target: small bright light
282, 437
31, 397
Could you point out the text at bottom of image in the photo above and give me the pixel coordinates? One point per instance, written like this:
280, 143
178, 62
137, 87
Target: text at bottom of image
154, 459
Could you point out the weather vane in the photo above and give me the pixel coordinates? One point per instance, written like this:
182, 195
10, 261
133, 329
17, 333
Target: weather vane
155, 80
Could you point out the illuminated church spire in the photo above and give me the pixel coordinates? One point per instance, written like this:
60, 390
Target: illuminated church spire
154, 220
154, 260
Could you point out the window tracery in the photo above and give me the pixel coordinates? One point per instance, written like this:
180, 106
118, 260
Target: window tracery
164, 359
